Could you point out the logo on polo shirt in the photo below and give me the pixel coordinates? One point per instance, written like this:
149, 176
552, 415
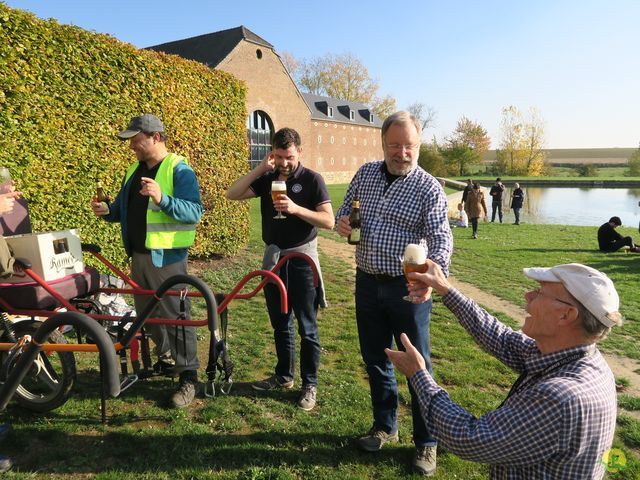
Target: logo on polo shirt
297, 188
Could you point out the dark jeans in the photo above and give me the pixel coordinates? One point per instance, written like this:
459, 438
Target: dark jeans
474, 224
297, 276
618, 244
496, 206
382, 315
516, 212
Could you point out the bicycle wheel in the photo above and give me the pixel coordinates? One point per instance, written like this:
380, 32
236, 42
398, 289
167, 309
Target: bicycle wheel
48, 383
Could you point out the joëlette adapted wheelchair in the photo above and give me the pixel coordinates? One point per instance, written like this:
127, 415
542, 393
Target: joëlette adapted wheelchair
37, 362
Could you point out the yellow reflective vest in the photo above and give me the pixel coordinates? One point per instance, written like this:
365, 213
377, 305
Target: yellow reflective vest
163, 231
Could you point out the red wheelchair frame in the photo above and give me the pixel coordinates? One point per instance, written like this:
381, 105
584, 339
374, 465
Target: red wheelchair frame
78, 318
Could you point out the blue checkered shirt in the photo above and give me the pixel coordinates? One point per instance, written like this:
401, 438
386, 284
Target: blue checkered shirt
414, 209
556, 425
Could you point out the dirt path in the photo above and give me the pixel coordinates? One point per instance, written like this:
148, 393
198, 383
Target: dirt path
621, 366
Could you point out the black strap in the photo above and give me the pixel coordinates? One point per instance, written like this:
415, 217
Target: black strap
518, 385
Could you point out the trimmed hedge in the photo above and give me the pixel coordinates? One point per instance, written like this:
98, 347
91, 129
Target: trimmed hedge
65, 93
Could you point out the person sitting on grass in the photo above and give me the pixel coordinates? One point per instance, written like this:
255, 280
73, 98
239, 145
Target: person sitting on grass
463, 219
611, 241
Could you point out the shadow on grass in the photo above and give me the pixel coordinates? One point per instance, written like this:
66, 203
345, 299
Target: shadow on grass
170, 452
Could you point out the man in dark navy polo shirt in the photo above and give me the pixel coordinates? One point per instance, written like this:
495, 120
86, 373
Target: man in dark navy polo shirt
306, 206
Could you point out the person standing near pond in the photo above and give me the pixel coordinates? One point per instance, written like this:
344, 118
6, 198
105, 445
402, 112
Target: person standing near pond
400, 203
475, 206
611, 241
466, 190
496, 199
517, 199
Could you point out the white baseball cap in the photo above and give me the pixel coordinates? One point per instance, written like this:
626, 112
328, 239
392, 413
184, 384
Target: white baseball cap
590, 287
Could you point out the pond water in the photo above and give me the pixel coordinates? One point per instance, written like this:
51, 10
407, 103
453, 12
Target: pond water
576, 206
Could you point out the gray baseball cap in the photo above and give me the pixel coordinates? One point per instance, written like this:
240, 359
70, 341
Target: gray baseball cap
146, 123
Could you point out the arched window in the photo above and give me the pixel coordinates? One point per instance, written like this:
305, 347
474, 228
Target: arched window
259, 132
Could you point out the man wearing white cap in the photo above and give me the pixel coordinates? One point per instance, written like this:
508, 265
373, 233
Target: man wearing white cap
559, 417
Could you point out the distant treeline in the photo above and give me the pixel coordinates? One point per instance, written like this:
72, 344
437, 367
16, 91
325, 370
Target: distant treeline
601, 157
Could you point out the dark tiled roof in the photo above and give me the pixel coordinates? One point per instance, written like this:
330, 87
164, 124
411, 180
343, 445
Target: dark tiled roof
211, 48
341, 110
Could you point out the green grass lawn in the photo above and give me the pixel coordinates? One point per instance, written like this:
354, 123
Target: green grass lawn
247, 435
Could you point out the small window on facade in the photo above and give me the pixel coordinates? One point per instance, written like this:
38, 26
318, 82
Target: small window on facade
352, 115
259, 53
330, 112
319, 138
371, 118
364, 142
331, 140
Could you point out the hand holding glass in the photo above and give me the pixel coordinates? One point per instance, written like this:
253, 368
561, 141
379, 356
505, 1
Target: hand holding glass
414, 260
278, 188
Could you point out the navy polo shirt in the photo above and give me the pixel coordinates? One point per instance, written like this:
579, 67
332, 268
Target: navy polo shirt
307, 189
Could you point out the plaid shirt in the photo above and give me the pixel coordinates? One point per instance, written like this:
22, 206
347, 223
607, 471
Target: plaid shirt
412, 210
556, 425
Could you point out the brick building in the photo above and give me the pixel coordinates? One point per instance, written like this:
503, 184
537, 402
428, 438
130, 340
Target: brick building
338, 136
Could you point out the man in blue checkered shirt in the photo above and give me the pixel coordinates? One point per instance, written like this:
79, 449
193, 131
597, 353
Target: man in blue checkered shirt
400, 204
558, 420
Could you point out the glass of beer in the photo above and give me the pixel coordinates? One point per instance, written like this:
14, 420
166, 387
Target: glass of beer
278, 187
6, 183
414, 260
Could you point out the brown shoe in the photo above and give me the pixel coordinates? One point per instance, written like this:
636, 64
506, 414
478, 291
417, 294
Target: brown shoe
424, 461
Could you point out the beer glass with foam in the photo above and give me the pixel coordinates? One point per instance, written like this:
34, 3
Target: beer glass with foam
278, 188
414, 260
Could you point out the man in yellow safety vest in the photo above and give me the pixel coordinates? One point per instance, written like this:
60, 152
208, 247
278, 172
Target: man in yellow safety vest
158, 207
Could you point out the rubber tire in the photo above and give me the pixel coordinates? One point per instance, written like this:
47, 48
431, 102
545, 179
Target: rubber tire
65, 369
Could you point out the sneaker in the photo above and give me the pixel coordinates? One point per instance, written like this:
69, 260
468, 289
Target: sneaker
375, 439
5, 464
274, 382
187, 389
475, 236
307, 399
424, 461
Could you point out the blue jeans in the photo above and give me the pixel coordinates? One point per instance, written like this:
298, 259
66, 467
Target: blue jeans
297, 276
496, 206
516, 212
382, 315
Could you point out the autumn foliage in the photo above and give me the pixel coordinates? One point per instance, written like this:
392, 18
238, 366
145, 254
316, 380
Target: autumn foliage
65, 92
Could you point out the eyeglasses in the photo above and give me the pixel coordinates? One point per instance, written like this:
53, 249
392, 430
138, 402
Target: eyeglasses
538, 292
398, 147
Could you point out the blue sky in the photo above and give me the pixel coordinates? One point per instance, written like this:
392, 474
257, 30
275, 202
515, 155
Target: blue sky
576, 61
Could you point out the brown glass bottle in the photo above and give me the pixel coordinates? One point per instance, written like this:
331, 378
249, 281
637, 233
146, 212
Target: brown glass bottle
101, 196
354, 222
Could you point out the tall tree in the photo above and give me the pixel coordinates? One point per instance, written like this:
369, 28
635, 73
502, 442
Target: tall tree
465, 146
342, 76
290, 62
521, 149
634, 164
423, 112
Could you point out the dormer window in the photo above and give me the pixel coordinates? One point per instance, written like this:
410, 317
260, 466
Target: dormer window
352, 115
371, 118
330, 112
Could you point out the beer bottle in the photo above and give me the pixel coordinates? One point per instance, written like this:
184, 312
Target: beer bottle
354, 222
101, 195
